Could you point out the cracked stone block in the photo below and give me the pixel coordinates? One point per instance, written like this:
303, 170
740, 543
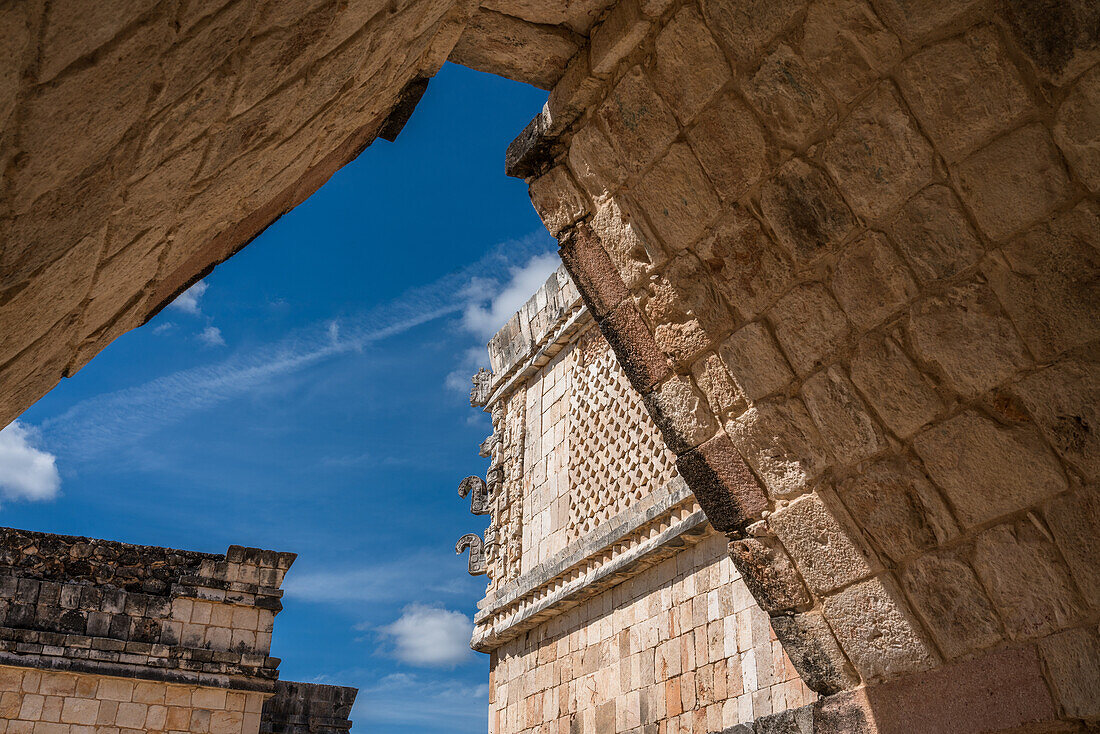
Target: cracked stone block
749, 267
1073, 659
557, 200
1026, 579
677, 198
805, 210
947, 594
847, 46
634, 256
877, 155
781, 444
510, 47
769, 574
934, 235
841, 417
902, 397
685, 305
814, 652
726, 398
1014, 181
1049, 282
730, 145
594, 162
877, 631
638, 121
1074, 519
987, 469
721, 481
755, 362
826, 553
895, 504
682, 414
968, 314
1064, 400
745, 27
870, 281
965, 90
916, 18
616, 36
1061, 38
1077, 129
794, 106
810, 326
689, 67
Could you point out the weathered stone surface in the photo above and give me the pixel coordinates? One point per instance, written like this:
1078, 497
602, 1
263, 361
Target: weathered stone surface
634, 256
634, 347
1049, 282
987, 469
730, 145
616, 36
1077, 129
1073, 659
934, 235
726, 399
592, 271
594, 162
877, 631
967, 314
578, 15
689, 66
1062, 38
810, 326
639, 122
814, 652
946, 593
749, 267
915, 18
847, 46
964, 91
684, 303
794, 106
307, 708
574, 94
1026, 579
902, 397
678, 198
755, 362
848, 429
722, 483
15, 36
514, 48
781, 444
847, 712
769, 574
1074, 519
745, 27
870, 281
825, 551
557, 200
895, 504
1014, 181
805, 211
877, 155
682, 414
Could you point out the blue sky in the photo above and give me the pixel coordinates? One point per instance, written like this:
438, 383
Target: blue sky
310, 396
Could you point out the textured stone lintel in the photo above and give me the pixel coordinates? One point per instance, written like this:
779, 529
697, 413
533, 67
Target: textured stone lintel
533, 149
402, 111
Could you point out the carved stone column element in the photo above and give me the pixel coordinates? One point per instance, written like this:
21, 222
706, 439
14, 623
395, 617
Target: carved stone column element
477, 555
479, 494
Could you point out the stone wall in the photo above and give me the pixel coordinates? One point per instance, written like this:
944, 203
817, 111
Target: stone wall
847, 252
308, 708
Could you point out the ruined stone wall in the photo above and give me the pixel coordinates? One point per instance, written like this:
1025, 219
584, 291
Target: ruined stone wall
847, 252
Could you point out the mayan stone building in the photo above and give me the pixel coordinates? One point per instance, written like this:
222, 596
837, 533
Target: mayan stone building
845, 252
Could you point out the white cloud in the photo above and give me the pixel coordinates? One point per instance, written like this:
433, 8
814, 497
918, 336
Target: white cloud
405, 699
26, 472
485, 320
212, 337
417, 572
430, 636
188, 301
164, 328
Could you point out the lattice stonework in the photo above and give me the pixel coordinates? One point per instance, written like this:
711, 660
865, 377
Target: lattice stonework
616, 454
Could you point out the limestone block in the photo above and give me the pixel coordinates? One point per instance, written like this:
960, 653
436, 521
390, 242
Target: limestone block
946, 593
805, 211
916, 18
810, 326
725, 397
749, 267
769, 574
575, 93
849, 431
1049, 282
877, 631
781, 444
727, 491
965, 91
902, 397
593, 272
634, 256
987, 469
1064, 400
15, 36
793, 104
689, 67
814, 652
616, 36
557, 200
870, 281
1077, 129
208, 45
970, 315
744, 27
877, 156
682, 414
1074, 520
503, 44
934, 235
638, 121
1026, 579
677, 198
1014, 182
685, 305
594, 162
1073, 659
847, 46
730, 145
755, 362
898, 508
827, 553
126, 273
1061, 39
